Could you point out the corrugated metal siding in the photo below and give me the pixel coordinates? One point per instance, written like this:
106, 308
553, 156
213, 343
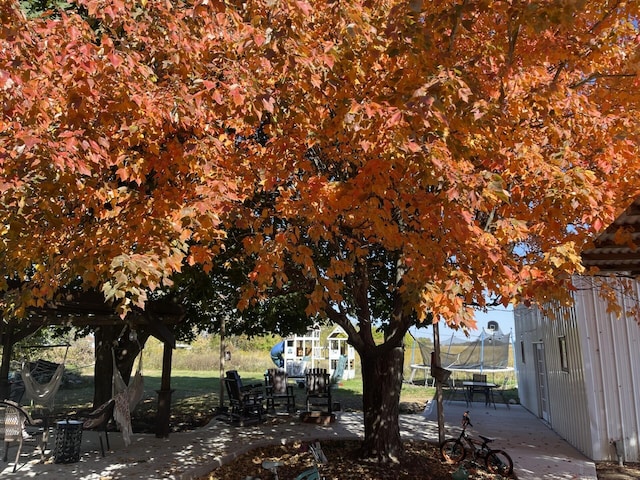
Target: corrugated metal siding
598, 400
611, 348
526, 333
567, 395
568, 410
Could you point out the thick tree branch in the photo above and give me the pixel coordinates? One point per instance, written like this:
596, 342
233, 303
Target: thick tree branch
595, 76
340, 318
606, 15
559, 70
456, 23
513, 38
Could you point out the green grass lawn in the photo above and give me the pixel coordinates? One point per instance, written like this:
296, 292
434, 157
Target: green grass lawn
199, 391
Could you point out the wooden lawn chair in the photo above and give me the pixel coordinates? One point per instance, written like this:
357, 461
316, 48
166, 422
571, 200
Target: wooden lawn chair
252, 387
318, 389
244, 406
278, 391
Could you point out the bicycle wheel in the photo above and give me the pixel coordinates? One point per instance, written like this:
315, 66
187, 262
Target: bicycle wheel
452, 450
498, 461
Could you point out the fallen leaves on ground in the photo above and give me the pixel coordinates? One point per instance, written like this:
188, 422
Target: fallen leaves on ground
613, 471
420, 460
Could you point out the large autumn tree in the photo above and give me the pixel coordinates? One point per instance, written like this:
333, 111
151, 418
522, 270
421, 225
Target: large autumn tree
393, 161
425, 157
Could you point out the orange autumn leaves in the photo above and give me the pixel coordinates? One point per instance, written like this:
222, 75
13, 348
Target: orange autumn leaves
480, 142
477, 140
111, 173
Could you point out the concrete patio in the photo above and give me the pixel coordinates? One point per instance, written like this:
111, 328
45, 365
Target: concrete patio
538, 453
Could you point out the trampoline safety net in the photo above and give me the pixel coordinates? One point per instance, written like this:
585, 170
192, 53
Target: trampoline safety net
488, 351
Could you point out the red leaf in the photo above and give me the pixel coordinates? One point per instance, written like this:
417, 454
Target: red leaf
305, 7
115, 60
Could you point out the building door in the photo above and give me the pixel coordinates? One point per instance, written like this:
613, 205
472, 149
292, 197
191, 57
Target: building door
541, 382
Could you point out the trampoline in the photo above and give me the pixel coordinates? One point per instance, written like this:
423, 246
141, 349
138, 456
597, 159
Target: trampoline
486, 353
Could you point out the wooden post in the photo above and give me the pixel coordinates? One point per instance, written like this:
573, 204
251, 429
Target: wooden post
164, 394
439, 402
222, 359
9, 336
7, 344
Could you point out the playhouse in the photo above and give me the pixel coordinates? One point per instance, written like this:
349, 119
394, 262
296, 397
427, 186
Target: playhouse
302, 352
297, 353
338, 347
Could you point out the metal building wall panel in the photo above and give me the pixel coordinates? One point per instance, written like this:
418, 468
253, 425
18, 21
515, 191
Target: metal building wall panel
596, 399
612, 364
632, 402
567, 396
590, 340
526, 328
568, 408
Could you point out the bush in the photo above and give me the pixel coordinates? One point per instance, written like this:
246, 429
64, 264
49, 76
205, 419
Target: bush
203, 354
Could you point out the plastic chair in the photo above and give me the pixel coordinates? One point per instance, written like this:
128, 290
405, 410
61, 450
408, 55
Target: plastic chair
500, 391
451, 390
481, 378
309, 474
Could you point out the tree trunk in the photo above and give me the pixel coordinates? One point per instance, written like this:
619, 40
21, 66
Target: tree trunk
127, 351
105, 336
382, 382
7, 345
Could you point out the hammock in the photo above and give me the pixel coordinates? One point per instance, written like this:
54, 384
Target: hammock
126, 398
43, 394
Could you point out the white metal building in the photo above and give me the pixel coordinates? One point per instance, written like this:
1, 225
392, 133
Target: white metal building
581, 374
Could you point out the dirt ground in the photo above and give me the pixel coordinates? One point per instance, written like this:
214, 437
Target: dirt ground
420, 460
611, 471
